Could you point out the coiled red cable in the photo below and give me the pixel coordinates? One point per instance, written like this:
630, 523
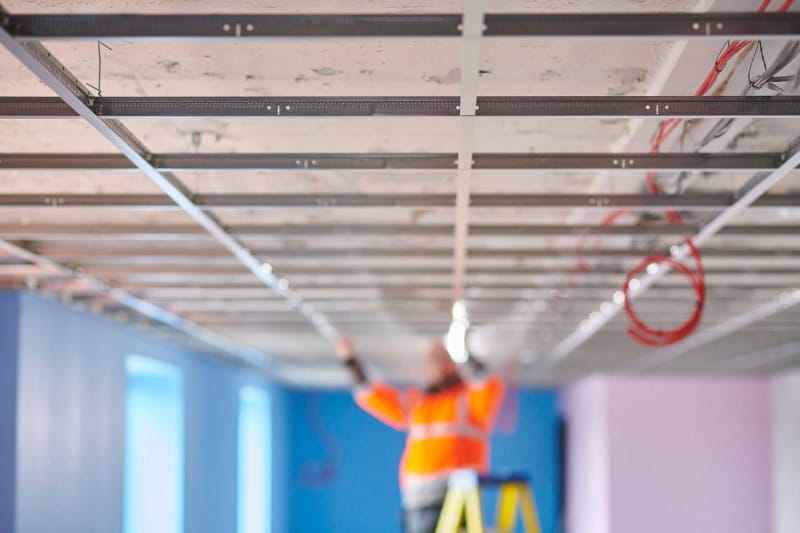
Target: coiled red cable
638, 330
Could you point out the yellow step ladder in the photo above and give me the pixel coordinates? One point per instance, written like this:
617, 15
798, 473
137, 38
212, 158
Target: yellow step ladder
462, 504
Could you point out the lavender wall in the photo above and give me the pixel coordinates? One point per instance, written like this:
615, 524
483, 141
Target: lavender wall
690, 455
679, 454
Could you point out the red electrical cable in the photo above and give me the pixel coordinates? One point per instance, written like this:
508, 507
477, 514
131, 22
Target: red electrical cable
638, 329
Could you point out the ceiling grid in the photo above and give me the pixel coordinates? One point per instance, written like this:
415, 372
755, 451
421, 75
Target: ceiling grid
390, 162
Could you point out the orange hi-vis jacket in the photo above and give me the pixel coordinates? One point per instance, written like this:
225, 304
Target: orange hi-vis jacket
447, 430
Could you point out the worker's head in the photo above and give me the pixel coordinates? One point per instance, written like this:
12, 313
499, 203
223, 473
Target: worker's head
438, 364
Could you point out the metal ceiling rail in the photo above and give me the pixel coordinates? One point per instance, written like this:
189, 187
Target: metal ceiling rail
650, 26
405, 285
47, 232
428, 328
657, 309
684, 202
529, 286
402, 303
441, 317
479, 295
214, 285
66, 86
388, 106
405, 306
625, 161
270, 319
472, 28
237, 352
431, 329
199, 267
230, 161
439, 298
373, 315
438, 317
754, 189
397, 161
97, 254
759, 358
786, 300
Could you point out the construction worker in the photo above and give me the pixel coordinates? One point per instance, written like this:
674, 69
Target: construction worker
448, 425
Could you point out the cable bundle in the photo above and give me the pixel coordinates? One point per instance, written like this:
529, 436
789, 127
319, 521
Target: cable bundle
638, 330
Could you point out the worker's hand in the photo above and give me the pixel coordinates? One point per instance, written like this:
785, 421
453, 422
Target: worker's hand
344, 348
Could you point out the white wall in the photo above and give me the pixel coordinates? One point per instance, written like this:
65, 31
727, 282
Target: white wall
786, 453
587, 467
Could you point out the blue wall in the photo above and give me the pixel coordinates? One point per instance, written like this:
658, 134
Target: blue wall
9, 334
363, 493
71, 424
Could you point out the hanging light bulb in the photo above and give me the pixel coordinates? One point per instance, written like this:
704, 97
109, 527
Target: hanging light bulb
456, 339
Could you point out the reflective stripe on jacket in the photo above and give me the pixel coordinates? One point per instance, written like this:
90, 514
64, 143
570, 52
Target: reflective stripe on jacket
447, 430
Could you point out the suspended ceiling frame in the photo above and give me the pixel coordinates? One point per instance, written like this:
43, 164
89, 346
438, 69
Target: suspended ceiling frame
99, 110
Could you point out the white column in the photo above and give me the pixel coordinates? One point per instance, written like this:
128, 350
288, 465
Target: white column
786, 453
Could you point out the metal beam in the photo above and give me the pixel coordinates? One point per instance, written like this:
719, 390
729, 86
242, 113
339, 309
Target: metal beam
433, 315
237, 352
253, 26
684, 202
626, 161
442, 305
472, 31
786, 300
406, 304
397, 161
402, 286
477, 295
757, 187
146, 201
95, 254
531, 106
759, 358
45, 232
59, 79
324, 270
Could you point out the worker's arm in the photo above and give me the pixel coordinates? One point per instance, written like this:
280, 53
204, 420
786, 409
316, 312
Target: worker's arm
381, 401
475, 368
486, 391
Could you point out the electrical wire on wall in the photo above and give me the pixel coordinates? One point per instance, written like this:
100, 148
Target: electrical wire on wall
319, 472
639, 330
508, 412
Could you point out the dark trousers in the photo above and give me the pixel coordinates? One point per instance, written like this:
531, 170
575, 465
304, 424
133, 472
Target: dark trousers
422, 519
